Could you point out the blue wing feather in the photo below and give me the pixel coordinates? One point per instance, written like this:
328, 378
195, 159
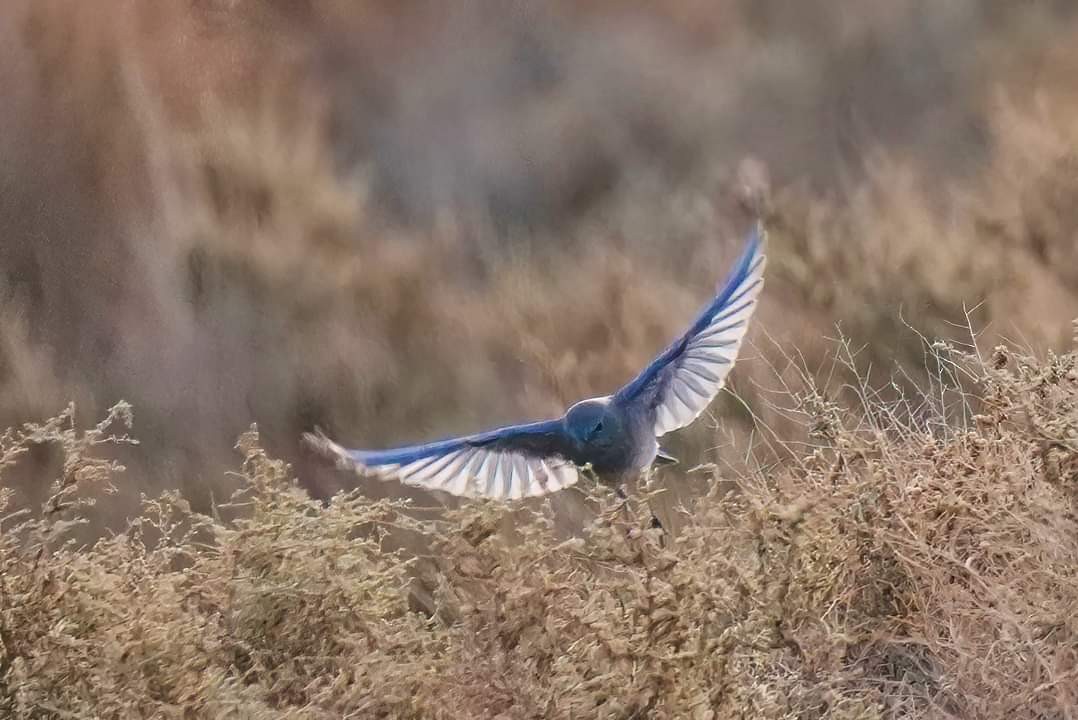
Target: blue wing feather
679, 384
534, 459
508, 462
521, 437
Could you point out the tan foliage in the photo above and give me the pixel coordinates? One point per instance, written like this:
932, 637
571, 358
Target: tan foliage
399, 221
905, 566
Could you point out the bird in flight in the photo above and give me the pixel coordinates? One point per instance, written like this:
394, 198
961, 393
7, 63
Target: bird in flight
616, 436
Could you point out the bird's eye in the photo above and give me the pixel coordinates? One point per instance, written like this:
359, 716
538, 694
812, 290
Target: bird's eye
598, 427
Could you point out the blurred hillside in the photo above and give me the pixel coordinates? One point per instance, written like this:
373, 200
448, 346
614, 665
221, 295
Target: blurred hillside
404, 219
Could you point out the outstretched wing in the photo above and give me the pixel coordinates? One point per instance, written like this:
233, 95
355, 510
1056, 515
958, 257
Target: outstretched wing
506, 464
681, 382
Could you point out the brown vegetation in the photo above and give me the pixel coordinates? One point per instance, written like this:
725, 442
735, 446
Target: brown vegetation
299, 213
400, 220
906, 565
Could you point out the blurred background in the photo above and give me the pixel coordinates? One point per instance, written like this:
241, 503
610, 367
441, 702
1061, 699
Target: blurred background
401, 220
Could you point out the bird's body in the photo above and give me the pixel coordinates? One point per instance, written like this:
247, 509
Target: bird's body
615, 436
623, 444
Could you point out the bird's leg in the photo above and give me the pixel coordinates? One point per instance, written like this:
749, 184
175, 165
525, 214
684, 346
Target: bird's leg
620, 490
655, 522
623, 495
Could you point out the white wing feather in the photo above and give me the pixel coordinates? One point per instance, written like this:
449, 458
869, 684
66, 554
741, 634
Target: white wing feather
698, 375
468, 471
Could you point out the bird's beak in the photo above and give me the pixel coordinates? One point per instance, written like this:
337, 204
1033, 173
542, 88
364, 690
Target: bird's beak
665, 458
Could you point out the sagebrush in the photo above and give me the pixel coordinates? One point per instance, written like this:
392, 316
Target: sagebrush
918, 558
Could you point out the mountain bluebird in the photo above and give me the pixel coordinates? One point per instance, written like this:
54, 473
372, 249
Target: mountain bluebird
615, 435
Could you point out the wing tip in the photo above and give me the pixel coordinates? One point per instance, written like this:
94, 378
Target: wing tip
754, 252
759, 231
757, 237
320, 443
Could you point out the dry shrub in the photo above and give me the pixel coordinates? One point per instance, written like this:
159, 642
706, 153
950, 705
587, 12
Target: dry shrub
344, 214
920, 559
347, 216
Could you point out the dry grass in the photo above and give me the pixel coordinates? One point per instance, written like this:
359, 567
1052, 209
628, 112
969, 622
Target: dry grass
398, 221
230, 213
905, 566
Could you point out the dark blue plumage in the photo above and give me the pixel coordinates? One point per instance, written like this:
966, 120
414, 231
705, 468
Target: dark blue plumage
615, 435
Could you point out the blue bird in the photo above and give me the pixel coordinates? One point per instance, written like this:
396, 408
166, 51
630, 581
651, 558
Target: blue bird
615, 435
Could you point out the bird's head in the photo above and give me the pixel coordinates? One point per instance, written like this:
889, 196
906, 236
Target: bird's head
592, 422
